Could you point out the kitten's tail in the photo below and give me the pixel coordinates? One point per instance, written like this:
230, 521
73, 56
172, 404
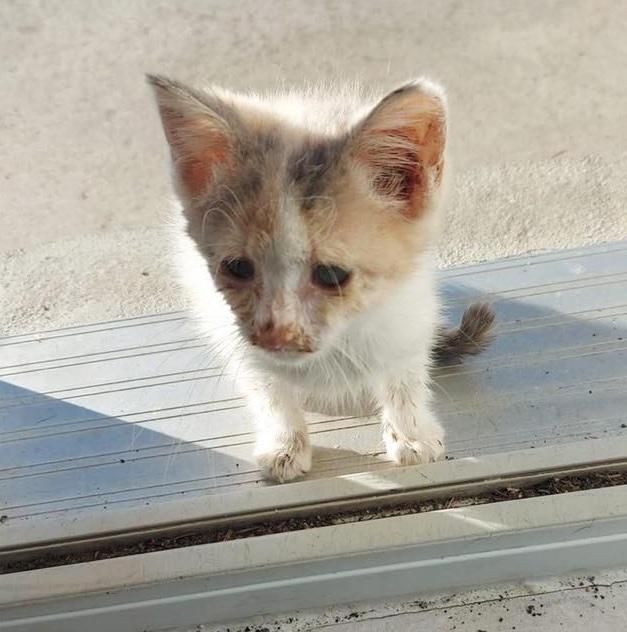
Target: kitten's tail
474, 334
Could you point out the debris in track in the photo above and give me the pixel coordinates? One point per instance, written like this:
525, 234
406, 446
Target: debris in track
552, 486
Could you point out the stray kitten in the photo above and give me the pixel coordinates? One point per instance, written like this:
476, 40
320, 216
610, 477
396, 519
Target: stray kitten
310, 221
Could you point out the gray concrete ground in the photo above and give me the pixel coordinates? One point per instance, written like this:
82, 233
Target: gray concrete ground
538, 96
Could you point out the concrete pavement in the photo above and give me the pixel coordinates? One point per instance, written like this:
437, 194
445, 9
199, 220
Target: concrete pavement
538, 100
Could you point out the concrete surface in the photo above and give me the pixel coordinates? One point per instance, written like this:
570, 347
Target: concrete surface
576, 604
538, 98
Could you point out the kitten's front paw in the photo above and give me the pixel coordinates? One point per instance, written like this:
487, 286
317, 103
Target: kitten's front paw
404, 451
285, 459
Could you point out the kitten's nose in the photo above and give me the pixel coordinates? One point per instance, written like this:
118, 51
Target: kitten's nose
280, 338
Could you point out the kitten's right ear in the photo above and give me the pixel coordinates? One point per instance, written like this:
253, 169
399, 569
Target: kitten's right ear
198, 132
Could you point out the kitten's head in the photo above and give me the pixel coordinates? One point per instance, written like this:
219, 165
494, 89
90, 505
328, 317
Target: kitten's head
305, 221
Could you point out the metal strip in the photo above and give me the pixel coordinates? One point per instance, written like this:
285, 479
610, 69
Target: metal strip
393, 485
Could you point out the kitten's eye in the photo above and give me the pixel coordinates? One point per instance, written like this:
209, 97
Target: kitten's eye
330, 276
242, 269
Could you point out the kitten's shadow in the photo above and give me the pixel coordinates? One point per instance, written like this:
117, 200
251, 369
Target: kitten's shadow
330, 461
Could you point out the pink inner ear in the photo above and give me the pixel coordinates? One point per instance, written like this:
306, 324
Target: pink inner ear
394, 156
195, 175
397, 169
402, 142
196, 168
400, 159
198, 147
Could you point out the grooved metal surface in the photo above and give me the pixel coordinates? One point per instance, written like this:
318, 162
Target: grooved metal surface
138, 412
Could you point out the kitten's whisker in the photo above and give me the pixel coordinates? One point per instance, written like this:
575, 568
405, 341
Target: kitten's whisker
240, 208
435, 384
224, 213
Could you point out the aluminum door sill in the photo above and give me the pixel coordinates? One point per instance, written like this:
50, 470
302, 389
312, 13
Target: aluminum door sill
413, 554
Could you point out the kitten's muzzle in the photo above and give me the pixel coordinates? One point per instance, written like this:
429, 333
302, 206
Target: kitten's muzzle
276, 338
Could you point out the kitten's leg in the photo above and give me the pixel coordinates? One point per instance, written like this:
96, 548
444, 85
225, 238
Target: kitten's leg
283, 450
410, 431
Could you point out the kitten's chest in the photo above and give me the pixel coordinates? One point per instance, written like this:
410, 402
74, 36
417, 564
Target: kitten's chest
338, 387
335, 384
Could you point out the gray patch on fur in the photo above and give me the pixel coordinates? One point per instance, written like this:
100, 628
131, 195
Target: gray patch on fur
257, 156
310, 167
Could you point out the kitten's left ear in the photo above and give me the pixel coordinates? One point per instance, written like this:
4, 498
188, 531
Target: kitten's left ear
402, 144
199, 129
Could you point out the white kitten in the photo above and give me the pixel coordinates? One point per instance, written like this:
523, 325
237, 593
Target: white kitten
309, 227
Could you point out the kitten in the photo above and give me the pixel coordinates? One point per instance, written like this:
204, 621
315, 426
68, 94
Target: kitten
310, 223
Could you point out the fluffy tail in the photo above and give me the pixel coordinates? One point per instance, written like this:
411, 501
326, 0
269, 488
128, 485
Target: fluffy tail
472, 336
